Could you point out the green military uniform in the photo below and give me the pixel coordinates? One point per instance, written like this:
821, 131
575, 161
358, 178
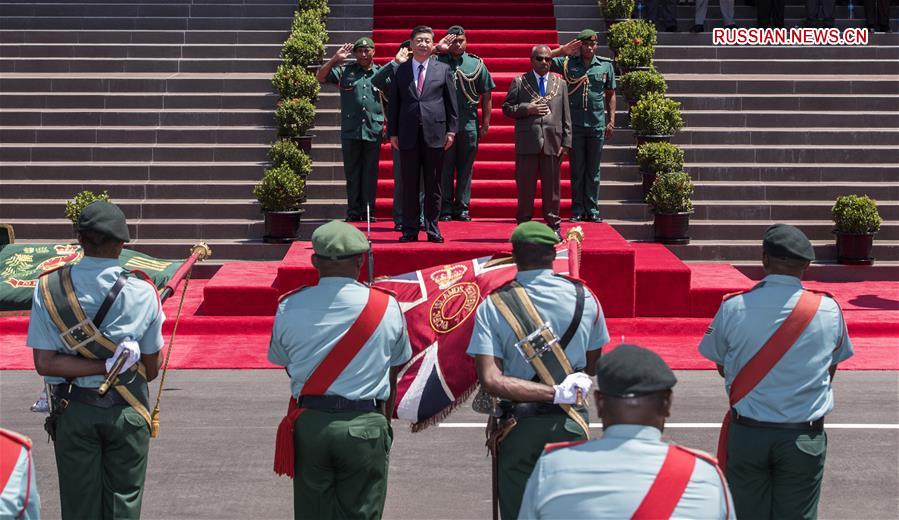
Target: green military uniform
361, 131
472, 80
587, 85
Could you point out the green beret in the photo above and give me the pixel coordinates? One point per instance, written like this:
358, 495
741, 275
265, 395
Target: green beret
406, 44
456, 29
786, 241
632, 371
365, 41
336, 240
533, 232
105, 218
586, 34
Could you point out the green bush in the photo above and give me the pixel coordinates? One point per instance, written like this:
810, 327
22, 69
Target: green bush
631, 57
280, 189
295, 82
660, 158
302, 49
295, 116
285, 151
310, 22
671, 193
632, 32
637, 83
75, 206
616, 9
314, 5
654, 114
856, 214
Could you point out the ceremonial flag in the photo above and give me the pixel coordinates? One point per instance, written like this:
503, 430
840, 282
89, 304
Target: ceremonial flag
439, 304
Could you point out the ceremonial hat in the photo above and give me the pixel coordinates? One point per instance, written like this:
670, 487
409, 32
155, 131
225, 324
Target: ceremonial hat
336, 240
406, 44
586, 34
786, 241
365, 41
105, 218
632, 371
532, 232
456, 29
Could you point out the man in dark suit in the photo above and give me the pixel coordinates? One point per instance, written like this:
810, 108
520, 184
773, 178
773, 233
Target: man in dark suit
422, 122
538, 102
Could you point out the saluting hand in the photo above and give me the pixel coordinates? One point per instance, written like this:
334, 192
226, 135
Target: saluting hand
444, 43
572, 47
402, 56
344, 51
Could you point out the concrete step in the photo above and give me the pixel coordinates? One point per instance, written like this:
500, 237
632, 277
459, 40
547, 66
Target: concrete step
573, 25
134, 82
196, 209
143, 229
145, 50
207, 152
111, 100
714, 230
825, 250
126, 170
888, 66
115, 9
113, 65
144, 135
146, 23
686, 12
131, 189
107, 36
125, 117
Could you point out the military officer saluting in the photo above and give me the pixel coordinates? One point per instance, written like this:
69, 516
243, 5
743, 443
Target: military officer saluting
342, 344
473, 86
591, 95
83, 319
361, 123
630, 472
777, 347
512, 346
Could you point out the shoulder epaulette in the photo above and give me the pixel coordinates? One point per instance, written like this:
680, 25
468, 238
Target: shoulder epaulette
571, 278
698, 454
553, 446
16, 438
603, 58
383, 290
475, 56
291, 293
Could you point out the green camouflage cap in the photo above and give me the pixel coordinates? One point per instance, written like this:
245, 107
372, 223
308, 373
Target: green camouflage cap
365, 41
632, 371
786, 241
406, 44
456, 29
105, 218
336, 240
532, 232
586, 34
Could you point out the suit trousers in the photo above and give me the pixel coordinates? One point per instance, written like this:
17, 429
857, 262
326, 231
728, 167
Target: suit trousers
528, 168
360, 166
586, 152
771, 13
813, 7
702, 9
421, 164
398, 190
877, 13
459, 158
662, 12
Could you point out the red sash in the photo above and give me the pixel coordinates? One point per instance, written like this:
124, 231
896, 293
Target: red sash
668, 487
765, 359
327, 372
11, 445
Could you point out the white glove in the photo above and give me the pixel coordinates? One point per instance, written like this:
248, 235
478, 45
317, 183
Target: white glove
128, 348
567, 390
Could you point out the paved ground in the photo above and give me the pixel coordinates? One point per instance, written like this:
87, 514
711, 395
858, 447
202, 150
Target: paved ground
213, 457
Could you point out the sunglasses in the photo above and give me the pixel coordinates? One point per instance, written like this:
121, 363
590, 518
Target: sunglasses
546, 59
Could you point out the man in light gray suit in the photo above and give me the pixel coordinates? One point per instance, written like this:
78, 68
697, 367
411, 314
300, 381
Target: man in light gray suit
538, 102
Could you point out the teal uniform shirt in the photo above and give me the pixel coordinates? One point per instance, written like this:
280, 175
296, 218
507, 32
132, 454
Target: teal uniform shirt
554, 297
798, 388
610, 476
587, 102
361, 113
309, 323
22, 483
136, 313
472, 79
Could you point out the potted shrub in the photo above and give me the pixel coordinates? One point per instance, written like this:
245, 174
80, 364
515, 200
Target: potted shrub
615, 11
286, 152
296, 82
303, 50
314, 5
632, 32
670, 198
656, 159
295, 117
75, 206
636, 84
633, 57
655, 118
279, 193
311, 21
857, 222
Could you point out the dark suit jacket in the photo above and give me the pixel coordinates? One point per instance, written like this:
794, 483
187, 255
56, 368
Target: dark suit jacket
435, 110
534, 134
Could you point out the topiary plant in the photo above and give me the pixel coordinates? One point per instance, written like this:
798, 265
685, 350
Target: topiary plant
303, 49
280, 189
285, 151
616, 9
856, 214
295, 116
632, 57
671, 193
314, 5
660, 158
295, 82
654, 114
75, 206
637, 83
311, 21
632, 32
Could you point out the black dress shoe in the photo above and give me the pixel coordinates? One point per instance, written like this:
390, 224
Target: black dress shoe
559, 234
437, 239
671, 28
463, 217
397, 227
576, 218
409, 238
594, 218
698, 28
445, 218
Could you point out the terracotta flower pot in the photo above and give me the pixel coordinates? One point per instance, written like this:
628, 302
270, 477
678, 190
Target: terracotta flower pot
855, 248
282, 226
672, 228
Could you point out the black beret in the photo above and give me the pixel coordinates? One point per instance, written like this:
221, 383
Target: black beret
632, 371
105, 218
456, 29
786, 241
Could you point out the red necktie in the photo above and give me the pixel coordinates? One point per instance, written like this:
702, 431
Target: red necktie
421, 78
